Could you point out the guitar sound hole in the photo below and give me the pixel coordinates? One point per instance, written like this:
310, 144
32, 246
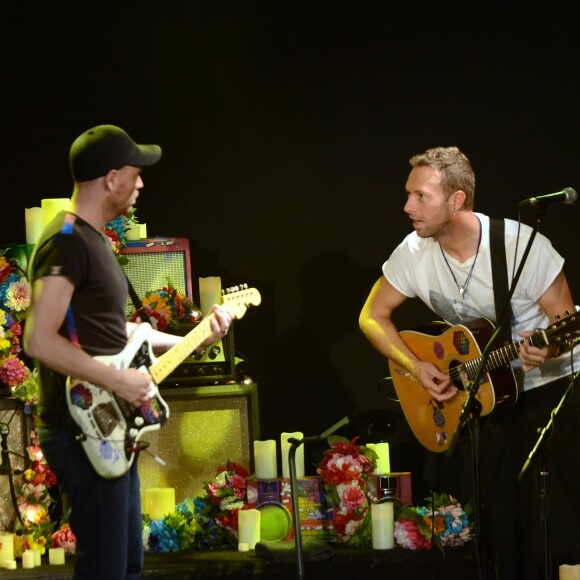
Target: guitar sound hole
458, 375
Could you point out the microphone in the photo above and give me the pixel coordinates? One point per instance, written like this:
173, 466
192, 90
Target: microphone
566, 196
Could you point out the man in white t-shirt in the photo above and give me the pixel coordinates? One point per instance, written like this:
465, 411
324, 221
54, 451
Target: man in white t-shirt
446, 262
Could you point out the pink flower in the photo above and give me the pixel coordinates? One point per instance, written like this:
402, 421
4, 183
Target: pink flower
64, 538
353, 497
13, 372
407, 535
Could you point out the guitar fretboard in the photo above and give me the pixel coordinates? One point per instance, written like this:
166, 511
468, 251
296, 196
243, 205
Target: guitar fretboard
170, 360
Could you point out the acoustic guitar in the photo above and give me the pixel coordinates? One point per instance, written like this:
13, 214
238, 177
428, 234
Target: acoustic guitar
456, 351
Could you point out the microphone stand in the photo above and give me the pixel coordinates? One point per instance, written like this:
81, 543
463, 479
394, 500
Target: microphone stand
544, 511
294, 444
471, 407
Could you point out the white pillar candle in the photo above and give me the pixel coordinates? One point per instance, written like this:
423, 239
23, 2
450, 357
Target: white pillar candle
35, 220
133, 232
569, 572
56, 556
53, 205
36, 554
143, 230
210, 293
28, 559
159, 501
6, 548
383, 457
299, 457
249, 527
10, 565
265, 459
383, 525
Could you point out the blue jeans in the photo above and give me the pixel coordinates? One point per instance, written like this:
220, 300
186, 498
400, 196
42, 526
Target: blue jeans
105, 513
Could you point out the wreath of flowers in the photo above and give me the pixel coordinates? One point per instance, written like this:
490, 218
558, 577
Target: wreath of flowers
207, 522
33, 526
443, 522
167, 308
15, 295
345, 470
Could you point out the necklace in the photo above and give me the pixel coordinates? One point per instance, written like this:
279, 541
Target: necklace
463, 287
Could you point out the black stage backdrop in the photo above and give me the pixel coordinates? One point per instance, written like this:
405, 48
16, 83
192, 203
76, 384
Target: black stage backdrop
286, 130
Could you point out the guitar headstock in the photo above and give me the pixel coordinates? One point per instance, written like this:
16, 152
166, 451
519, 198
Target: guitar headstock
564, 331
240, 298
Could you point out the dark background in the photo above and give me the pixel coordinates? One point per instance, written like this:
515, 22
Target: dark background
286, 131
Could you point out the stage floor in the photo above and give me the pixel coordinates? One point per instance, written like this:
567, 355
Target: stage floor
344, 562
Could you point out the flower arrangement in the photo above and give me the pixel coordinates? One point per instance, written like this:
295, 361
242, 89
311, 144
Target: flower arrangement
444, 522
167, 308
15, 295
116, 231
345, 470
206, 522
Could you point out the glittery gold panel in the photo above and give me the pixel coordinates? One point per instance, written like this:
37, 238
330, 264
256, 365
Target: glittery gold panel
207, 426
19, 428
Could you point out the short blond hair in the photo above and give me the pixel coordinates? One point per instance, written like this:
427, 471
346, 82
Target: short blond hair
456, 171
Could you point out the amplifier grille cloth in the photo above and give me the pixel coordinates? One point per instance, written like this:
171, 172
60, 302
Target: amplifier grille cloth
150, 271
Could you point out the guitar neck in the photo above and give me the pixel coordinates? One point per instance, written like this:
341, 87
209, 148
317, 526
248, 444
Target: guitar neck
170, 360
504, 355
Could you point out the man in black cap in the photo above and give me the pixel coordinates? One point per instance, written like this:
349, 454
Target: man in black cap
77, 313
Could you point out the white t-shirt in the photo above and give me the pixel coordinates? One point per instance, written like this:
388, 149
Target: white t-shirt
417, 268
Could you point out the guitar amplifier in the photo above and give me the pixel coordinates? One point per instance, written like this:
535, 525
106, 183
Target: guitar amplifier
151, 262
216, 366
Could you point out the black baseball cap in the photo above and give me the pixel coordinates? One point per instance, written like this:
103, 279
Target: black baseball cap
105, 147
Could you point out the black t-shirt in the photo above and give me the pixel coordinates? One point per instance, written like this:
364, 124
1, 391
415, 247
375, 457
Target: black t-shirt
71, 247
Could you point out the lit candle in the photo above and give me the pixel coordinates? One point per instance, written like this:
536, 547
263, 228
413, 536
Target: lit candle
56, 556
249, 527
35, 220
210, 293
36, 554
383, 525
159, 501
28, 559
53, 206
383, 457
265, 459
299, 457
6, 548
133, 232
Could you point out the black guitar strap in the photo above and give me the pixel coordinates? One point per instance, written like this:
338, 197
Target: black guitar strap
500, 277
137, 302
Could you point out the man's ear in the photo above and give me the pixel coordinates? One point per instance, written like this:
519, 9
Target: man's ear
458, 199
110, 179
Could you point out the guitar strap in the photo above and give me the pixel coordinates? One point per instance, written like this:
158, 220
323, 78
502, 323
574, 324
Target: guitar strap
500, 277
139, 309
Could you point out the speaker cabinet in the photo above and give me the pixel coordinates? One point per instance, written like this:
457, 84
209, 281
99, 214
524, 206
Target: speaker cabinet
207, 426
152, 261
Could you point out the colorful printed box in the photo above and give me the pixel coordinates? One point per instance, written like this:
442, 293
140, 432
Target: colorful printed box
315, 514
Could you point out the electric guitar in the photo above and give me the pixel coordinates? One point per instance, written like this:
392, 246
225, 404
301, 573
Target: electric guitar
111, 428
456, 350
